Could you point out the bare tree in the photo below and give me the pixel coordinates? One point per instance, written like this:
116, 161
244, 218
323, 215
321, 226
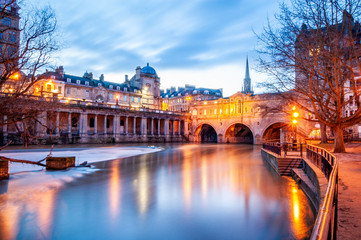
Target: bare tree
28, 38
312, 51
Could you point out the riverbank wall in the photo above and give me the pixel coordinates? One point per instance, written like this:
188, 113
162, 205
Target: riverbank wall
308, 177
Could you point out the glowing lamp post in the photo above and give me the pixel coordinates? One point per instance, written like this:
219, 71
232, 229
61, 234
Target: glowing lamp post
294, 121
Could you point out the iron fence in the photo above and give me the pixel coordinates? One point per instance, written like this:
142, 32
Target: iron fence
326, 223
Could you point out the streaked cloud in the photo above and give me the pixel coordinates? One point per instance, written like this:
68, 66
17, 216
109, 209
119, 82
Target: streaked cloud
202, 40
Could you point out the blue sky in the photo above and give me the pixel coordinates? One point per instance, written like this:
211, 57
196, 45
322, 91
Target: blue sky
199, 42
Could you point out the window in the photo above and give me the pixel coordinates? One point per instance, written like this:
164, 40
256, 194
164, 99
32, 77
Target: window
135, 90
12, 36
132, 99
77, 81
215, 111
52, 77
86, 83
125, 89
125, 98
11, 51
48, 88
99, 84
91, 122
6, 21
108, 123
206, 92
118, 88
110, 86
68, 91
110, 96
139, 99
68, 80
1, 35
59, 89
74, 122
205, 112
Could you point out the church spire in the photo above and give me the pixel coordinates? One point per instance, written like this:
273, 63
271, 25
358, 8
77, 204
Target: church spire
247, 86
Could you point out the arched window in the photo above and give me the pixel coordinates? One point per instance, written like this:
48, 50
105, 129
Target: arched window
74, 122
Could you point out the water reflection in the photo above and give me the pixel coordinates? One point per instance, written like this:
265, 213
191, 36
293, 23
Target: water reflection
115, 189
185, 192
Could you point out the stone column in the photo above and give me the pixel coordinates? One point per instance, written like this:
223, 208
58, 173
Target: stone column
83, 126
173, 128
152, 127
143, 126
179, 127
158, 126
186, 128
166, 127
126, 125
96, 124
5, 129
134, 125
116, 125
40, 126
69, 123
57, 124
105, 124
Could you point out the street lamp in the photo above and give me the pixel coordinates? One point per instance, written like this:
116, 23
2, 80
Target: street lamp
294, 121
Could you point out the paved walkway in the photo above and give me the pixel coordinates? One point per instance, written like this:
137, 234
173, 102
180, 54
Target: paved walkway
349, 192
349, 196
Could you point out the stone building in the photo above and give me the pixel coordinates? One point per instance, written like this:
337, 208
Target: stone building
180, 100
141, 91
9, 32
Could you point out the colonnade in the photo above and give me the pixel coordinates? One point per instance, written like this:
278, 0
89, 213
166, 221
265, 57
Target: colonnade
93, 124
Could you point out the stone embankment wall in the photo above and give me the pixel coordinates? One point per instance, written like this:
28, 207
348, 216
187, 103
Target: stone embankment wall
310, 179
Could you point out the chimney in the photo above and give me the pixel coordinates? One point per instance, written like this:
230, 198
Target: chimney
101, 78
137, 72
126, 78
60, 71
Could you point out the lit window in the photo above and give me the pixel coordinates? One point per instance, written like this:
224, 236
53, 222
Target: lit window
215, 111
12, 36
205, 112
59, 89
6, 21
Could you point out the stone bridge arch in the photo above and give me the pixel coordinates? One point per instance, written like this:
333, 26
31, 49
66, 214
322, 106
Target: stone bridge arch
238, 132
275, 132
205, 133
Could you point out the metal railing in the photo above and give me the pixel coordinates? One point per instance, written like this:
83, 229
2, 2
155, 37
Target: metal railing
326, 222
284, 148
273, 147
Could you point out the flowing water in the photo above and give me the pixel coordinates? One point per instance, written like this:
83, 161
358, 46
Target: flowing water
185, 192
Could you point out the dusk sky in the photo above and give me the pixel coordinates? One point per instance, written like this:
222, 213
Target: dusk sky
199, 42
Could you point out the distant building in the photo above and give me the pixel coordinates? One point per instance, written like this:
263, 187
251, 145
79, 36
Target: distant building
9, 32
141, 91
180, 100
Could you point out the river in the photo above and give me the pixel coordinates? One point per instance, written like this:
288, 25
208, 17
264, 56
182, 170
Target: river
188, 191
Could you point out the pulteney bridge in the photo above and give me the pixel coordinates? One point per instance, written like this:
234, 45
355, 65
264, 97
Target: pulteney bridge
243, 118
